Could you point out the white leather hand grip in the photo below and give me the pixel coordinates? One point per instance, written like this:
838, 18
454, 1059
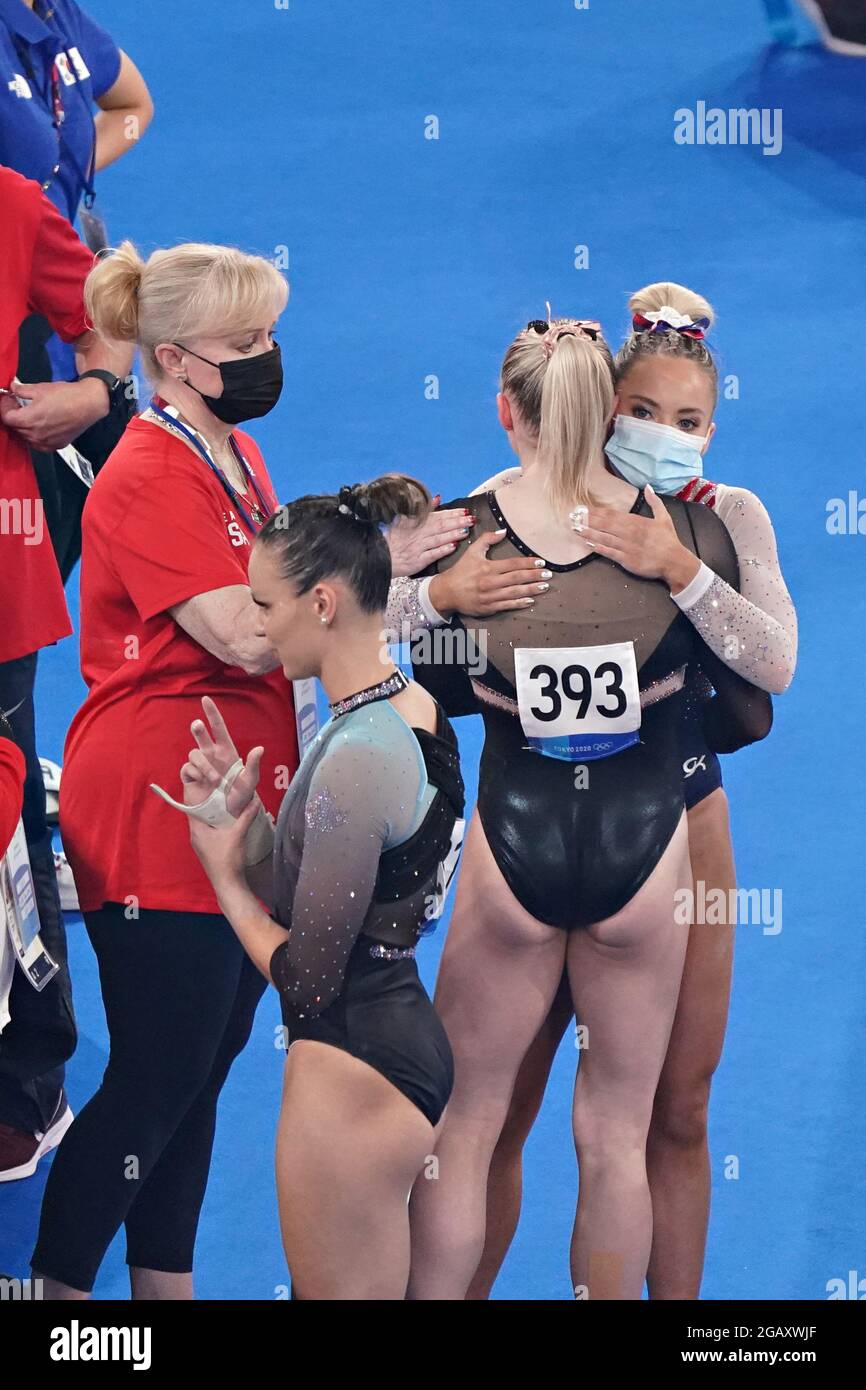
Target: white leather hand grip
259, 842
213, 811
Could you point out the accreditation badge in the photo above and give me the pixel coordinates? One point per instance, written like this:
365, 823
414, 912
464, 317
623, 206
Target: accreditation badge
22, 914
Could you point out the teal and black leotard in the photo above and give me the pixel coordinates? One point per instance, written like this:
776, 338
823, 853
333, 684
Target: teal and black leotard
366, 840
575, 853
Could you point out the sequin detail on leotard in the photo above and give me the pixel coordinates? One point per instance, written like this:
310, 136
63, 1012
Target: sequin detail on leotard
733, 630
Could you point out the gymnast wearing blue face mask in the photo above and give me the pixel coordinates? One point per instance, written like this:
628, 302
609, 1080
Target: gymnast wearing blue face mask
667, 387
642, 451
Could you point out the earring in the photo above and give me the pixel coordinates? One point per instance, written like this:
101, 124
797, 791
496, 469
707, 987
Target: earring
324, 620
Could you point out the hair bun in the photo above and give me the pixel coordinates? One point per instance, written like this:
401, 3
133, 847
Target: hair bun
111, 294
380, 501
668, 294
351, 502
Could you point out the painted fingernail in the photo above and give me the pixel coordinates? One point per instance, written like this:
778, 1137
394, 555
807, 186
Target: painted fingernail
539, 564
453, 547
547, 574
465, 531
528, 600
542, 587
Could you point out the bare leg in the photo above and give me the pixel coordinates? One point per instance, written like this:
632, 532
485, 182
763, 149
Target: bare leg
625, 975
500, 971
678, 1161
349, 1148
153, 1285
505, 1179
54, 1291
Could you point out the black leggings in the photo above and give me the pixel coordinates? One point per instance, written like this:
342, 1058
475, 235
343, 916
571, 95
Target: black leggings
179, 995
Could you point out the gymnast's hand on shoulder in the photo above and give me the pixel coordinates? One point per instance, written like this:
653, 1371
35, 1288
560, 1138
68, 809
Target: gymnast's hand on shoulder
643, 545
478, 586
416, 544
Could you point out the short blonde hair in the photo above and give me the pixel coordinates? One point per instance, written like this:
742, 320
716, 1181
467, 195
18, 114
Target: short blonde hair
193, 290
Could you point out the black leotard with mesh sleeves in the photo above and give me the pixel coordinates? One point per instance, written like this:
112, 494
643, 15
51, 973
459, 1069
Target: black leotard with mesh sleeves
366, 840
574, 855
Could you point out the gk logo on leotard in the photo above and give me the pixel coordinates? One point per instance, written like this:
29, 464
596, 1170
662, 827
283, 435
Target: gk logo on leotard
691, 765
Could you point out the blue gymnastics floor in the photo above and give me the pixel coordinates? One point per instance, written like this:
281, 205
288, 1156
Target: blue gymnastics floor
303, 131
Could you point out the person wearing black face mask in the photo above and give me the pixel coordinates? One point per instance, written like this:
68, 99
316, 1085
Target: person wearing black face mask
166, 617
251, 387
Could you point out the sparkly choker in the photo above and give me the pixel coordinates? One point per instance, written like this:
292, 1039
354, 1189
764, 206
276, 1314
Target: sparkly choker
389, 686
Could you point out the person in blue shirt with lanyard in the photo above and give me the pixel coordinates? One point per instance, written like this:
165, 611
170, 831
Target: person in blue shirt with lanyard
55, 64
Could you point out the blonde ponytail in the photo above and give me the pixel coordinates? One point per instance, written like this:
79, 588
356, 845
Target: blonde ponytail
561, 385
111, 294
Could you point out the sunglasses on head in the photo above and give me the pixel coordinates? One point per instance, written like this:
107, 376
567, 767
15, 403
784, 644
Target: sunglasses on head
590, 327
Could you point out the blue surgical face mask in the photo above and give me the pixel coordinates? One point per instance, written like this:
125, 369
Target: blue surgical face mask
643, 452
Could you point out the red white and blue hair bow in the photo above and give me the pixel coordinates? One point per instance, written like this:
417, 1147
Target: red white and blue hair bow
668, 319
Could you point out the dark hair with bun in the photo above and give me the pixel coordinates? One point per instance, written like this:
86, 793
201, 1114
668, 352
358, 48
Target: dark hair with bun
321, 535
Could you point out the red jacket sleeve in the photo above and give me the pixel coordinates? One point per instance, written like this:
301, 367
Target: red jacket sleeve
172, 543
61, 264
11, 790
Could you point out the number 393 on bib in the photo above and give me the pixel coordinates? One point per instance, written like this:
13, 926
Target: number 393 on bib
578, 703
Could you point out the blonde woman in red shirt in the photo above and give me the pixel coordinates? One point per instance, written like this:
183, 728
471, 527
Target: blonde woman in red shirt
166, 616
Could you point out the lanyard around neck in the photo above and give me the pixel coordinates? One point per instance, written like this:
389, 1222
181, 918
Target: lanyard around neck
254, 521
53, 100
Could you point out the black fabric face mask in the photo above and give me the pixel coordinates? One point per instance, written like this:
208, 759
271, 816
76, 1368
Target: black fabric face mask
251, 385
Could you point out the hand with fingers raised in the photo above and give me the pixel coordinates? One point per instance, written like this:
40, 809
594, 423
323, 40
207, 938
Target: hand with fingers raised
219, 786
216, 762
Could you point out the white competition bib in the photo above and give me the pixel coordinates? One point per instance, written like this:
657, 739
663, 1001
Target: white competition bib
578, 703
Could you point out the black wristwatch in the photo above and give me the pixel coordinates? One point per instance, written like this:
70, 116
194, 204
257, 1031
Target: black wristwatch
114, 384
